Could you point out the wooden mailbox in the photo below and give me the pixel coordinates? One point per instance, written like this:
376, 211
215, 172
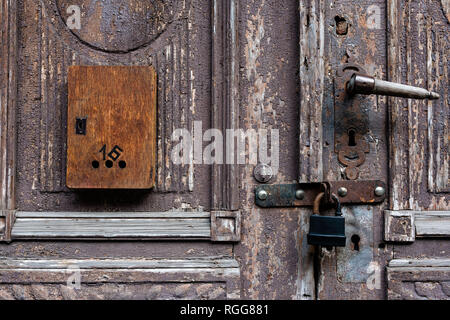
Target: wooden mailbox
111, 127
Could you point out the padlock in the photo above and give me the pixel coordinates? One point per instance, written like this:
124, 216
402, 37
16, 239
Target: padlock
327, 231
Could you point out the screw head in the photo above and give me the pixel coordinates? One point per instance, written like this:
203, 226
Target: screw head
342, 191
379, 191
263, 173
262, 194
300, 194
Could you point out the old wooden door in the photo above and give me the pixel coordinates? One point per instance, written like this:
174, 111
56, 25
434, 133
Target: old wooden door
263, 67
173, 241
398, 249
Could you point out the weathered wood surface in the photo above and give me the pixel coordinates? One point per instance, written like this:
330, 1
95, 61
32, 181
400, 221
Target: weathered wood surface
432, 223
178, 44
8, 100
399, 226
115, 225
419, 279
226, 226
115, 147
199, 263
117, 291
140, 22
225, 97
418, 47
312, 73
183, 96
201, 278
355, 34
269, 99
416, 263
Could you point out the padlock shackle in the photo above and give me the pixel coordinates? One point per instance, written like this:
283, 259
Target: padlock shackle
338, 204
316, 207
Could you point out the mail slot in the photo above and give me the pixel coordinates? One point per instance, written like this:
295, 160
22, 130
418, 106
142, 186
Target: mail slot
111, 127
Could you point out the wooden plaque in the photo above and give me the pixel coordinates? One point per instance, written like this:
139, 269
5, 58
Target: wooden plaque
111, 127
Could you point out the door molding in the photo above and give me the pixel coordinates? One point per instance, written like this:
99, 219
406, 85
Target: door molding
407, 225
418, 130
206, 277
216, 226
312, 79
225, 97
418, 279
8, 99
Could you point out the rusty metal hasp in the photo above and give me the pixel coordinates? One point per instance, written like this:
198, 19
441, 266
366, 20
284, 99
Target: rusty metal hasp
304, 194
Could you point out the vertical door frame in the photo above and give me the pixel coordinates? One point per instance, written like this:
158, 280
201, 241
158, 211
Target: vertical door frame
312, 77
8, 100
225, 98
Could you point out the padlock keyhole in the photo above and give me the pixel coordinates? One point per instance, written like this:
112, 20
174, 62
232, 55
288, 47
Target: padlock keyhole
355, 240
351, 138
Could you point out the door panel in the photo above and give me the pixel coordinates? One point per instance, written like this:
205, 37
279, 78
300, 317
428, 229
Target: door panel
419, 153
43, 92
418, 48
181, 214
355, 34
269, 99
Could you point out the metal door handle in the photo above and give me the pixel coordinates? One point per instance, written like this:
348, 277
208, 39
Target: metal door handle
363, 84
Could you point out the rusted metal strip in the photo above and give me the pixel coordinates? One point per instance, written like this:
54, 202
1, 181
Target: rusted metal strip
303, 194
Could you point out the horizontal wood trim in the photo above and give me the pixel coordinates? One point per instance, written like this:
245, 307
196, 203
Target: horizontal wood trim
418, 279
197, 263
411, 263
115, 215
43, 274
86, 225
407, 225
432, 223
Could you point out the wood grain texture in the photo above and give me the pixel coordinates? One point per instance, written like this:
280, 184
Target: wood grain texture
348, 272
312, 74
418, 130
418, 47
118, 105
7, 219
116, 291
225, 98
139, 24
112, 226
169, 49
415, 263
8, 98
419, 279
226, 226
399, 226
214, 277
432, 224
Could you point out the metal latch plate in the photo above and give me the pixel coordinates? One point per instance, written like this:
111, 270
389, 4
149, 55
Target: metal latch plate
284, 195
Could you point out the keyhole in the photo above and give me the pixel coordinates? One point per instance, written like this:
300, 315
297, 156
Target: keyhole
80, 126
351, 138
355, 240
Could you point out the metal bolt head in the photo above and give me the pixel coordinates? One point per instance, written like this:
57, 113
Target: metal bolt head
263, 173
342, 191
379, 191
300, 194
262, 194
